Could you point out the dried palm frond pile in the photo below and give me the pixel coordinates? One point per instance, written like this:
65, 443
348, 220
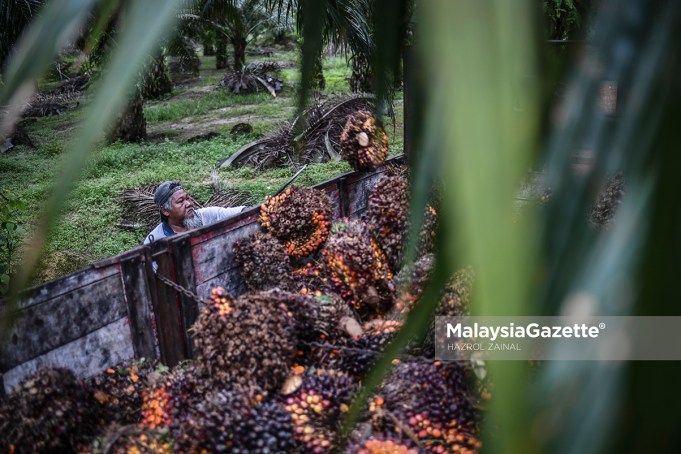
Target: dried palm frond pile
254, 77
313, 136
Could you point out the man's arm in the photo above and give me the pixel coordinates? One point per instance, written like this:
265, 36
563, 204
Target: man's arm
211, 215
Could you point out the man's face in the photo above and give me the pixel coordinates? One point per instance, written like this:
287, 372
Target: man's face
181, 207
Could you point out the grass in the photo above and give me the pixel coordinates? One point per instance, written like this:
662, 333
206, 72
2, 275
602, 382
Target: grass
87, 230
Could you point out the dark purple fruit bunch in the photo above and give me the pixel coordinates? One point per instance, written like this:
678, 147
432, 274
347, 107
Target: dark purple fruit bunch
245, 341
300, 218
432, 400
263, 262
50, 411
364, 143
388, 215
211, 423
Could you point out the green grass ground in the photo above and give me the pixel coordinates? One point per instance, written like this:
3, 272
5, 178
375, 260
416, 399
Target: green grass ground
87, 229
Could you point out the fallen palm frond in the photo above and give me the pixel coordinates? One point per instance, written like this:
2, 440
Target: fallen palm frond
320, 125
253, 78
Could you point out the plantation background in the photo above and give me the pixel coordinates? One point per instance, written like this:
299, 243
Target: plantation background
88, 231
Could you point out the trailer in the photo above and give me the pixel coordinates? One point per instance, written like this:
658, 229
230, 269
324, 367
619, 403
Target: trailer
119, 309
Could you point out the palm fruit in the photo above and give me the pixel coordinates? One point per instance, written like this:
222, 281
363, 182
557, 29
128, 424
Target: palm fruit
209, 425
244, 341
357, 266
455, 300
268, 429
431, 400
263, 262
388, 215
316, 408
428, 231
166, 402
364, 143
236, 420
356, 355
137, 440
119, 390
50, 411
382, 446
299, 218
411, 282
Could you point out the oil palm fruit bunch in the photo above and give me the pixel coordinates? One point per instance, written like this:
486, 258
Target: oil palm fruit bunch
428, 231
166, 402
364, 143
50, 411
245, 341
432, 400
316, 406
388, 215
358, 267
135, 439
382, 445
236, 420
300, 218
456, 297
119, 390
355, 356
410, 283
209, 421
263, 262
311, 279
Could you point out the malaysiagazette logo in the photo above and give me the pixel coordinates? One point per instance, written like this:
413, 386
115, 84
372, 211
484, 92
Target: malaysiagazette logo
530, 330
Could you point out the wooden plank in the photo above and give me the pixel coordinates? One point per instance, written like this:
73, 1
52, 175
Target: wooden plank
86, 356
230, 280
43, 327
358, 192
139, 304
227, 225
184, 271
212, 258
343, 201
168, 314
54, 289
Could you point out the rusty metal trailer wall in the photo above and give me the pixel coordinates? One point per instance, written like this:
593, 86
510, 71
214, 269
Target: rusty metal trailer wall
117, 309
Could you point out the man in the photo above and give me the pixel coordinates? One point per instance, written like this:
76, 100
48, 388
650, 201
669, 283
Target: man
178, 214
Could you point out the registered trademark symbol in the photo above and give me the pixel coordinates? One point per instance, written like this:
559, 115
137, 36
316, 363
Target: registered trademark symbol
601, 325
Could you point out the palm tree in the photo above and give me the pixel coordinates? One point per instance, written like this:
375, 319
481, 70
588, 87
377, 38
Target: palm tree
14, 17
233, 21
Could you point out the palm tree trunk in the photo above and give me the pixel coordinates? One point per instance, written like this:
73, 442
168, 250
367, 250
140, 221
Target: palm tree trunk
208, 46
239, 45
318, 80
360, 79
130, 126
221, 53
